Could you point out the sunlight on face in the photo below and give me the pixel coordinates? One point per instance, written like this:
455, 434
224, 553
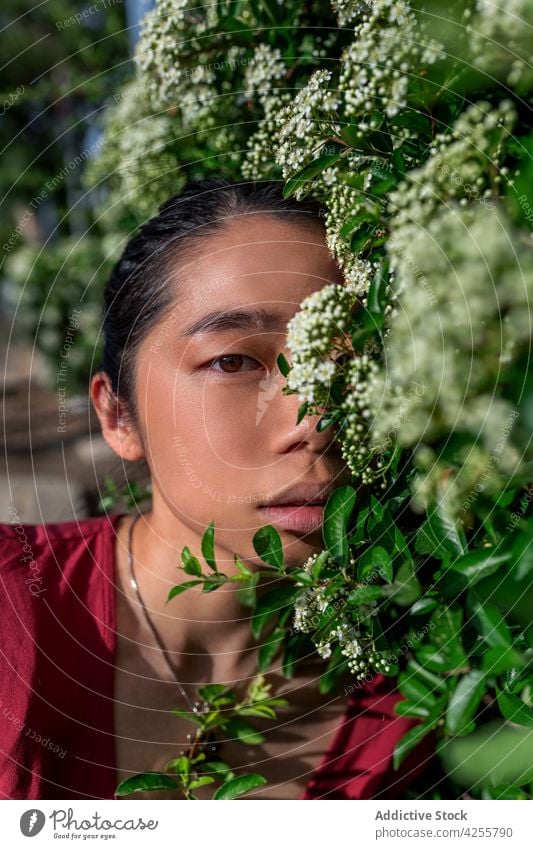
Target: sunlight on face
221, 437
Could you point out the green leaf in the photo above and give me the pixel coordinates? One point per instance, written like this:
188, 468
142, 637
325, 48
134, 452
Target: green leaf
501, 658
446, 636
238, 786
514, 709
312, 169
358, 537
292, 652
180, 588
382, 562
277, 701
416, 690
363, 238
355, 181
479, 564
146, 781
351, 134
268, 651
208, 546
377, 293
352, 222
423, 605
364, 595
405, 589
267, 545
198, 782
181, 765
503, 791
398, 163
432, 659
302, 411
438, 536
381, 187
197, 718
191, 564
241, 567
409, 741
218, 768
212, 691
435, 682
271, 603
337, 512
212, 720
320, 564
247, 594
257, 710
327, 420
465, 701
377, 511
302, 577
211, 584
407, 708
283, 364
243, 731
493, 627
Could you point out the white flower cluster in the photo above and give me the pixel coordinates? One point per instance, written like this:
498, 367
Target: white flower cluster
348, 10
266, 65
300, 123
315, 335
363, 460
500, 35
306, 618
312, 337
465, 286
458, 167
258, 157
342, 202
387, 51
356, 644
135, 153
173, 37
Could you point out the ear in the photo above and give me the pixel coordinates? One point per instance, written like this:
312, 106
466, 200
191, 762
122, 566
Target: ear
117, 428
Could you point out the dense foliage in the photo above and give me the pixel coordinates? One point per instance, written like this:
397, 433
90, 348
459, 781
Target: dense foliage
412, 123
61, 61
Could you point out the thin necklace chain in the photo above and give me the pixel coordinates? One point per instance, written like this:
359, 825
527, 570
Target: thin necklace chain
194, 706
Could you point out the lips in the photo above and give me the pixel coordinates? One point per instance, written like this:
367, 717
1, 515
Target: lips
301, 494
303, 519
299, 508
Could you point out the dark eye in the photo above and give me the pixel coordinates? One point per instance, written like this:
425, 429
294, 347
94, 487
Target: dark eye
232, 363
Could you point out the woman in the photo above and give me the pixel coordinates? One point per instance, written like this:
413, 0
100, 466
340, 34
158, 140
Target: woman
195, 316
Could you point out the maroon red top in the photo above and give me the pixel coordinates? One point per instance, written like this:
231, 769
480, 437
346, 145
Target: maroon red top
57, 653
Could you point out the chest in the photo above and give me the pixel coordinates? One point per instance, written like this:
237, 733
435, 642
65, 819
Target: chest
148, 735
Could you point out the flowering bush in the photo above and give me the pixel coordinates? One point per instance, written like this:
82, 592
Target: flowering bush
418, 141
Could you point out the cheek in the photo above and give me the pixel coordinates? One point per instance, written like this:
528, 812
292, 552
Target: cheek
222, 422
202, 438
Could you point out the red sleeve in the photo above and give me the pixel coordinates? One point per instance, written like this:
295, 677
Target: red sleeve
20, 589
361, 765
57, 644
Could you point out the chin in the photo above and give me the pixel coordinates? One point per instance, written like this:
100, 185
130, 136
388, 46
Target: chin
298, 547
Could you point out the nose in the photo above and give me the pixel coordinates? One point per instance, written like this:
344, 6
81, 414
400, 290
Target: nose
286, 433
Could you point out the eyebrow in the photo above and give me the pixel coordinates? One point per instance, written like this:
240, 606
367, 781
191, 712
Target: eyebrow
260, 318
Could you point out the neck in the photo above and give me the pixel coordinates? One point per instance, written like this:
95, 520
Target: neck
207, 636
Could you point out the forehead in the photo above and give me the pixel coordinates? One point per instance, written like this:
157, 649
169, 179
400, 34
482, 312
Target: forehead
256, 259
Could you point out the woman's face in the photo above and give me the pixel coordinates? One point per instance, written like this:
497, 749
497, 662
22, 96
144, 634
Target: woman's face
221, 439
